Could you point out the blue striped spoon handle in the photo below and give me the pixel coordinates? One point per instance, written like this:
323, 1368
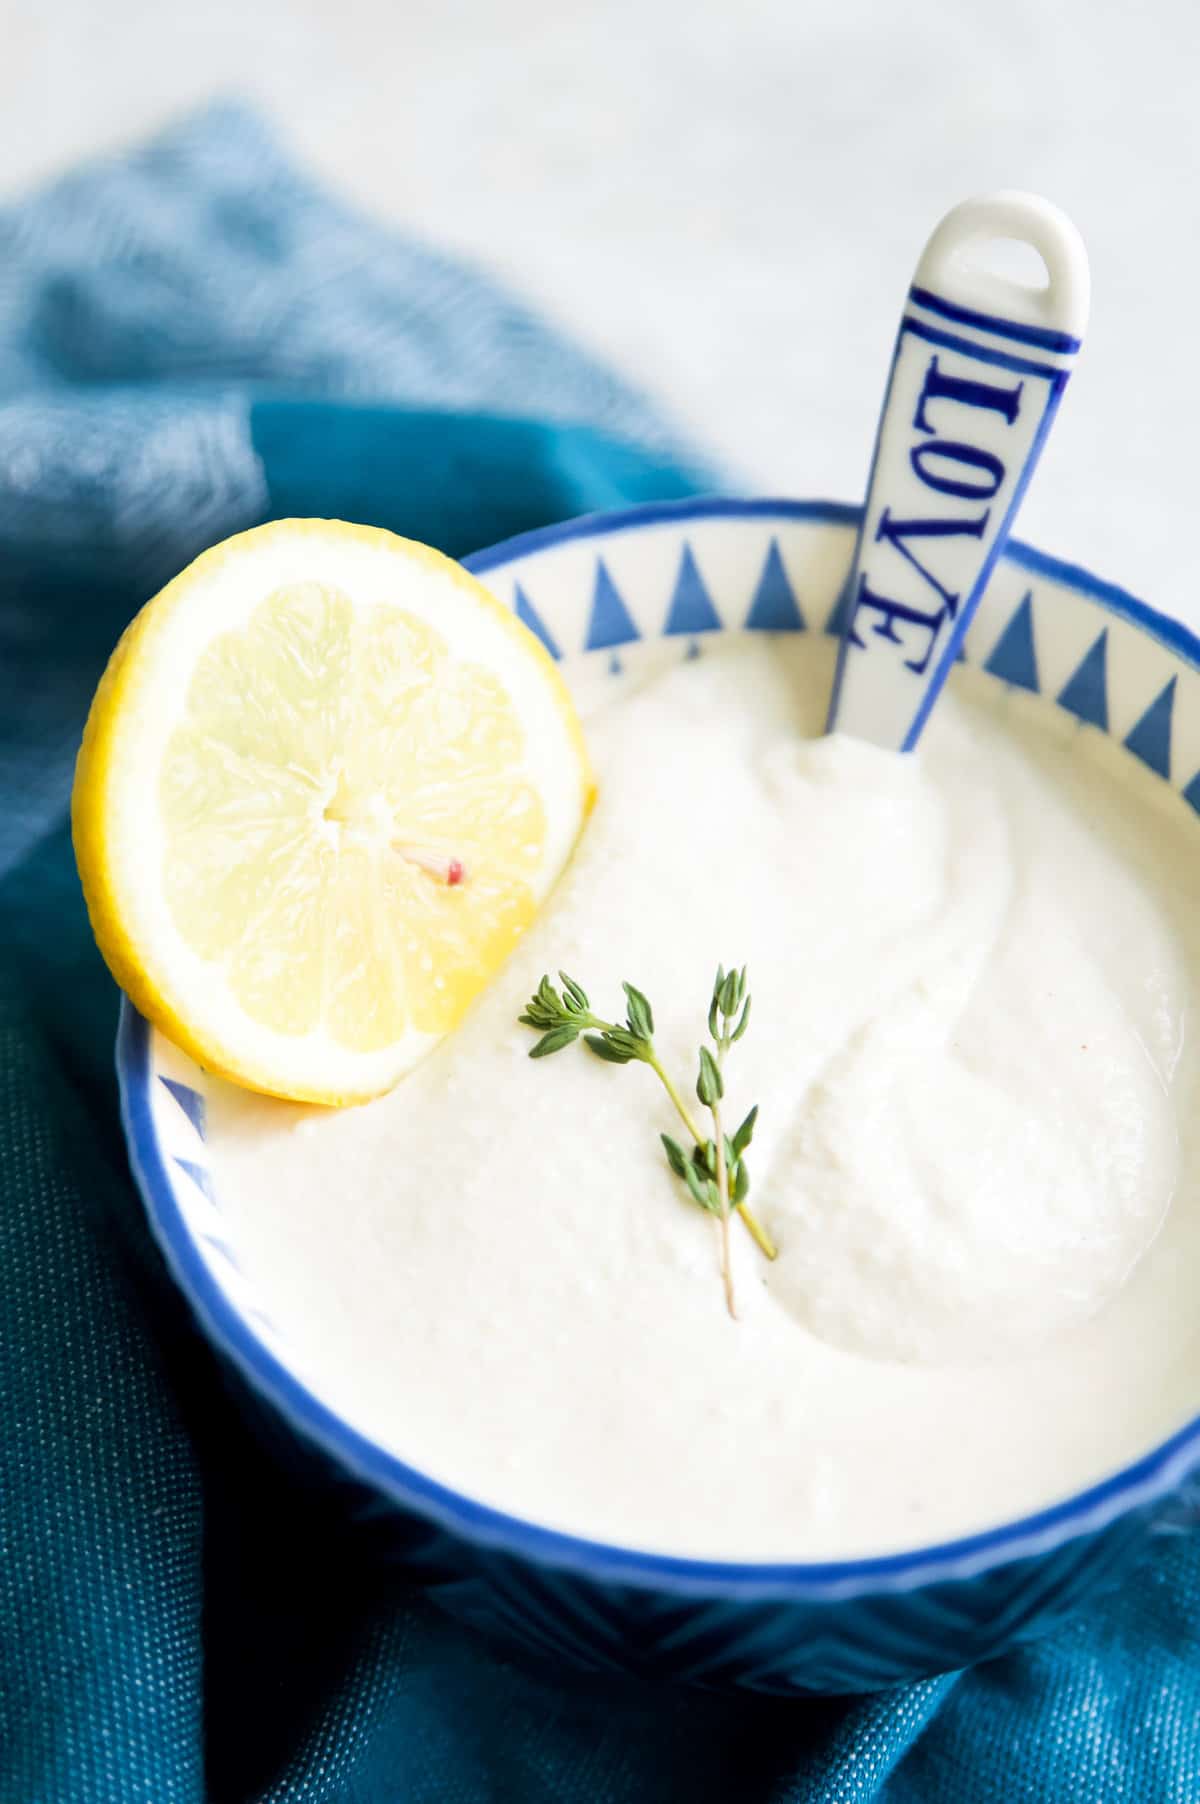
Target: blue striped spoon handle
979, 368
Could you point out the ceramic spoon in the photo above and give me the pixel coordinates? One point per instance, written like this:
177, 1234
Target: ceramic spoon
980, 365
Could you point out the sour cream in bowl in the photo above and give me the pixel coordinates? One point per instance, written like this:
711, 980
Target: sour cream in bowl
968, 1384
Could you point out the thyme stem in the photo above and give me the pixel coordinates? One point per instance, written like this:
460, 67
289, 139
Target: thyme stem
714, 1171
723, 1194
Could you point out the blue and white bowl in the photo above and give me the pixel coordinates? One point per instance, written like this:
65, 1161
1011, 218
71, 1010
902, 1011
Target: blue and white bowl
611, 596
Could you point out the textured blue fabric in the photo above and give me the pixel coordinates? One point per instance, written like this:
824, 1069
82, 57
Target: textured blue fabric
193, 339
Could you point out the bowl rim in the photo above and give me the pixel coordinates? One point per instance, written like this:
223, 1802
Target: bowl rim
1085, 1512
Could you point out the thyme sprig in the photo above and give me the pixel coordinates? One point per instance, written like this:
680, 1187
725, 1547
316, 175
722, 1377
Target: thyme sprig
714, 1171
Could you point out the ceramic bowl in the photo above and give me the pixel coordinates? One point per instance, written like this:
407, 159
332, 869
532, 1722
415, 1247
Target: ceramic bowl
611, 596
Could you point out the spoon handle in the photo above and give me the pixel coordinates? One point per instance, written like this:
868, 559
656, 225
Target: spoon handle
980, 365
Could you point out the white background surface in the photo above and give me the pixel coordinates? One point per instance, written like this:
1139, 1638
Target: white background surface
726, 197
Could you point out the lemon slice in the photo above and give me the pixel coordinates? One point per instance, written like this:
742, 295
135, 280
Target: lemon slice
325, 783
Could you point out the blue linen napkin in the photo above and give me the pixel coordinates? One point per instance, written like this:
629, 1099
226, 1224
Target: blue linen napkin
194, 338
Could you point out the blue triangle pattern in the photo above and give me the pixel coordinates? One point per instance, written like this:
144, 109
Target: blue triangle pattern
1014, 655
1191, 794
1086, 693
1150, 739
691, 609
197, 1173
835, 626
189, 1100
528, 615
611, 622
227, 1253
774, 608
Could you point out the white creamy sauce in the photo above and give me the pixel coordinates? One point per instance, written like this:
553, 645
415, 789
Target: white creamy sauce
972, 970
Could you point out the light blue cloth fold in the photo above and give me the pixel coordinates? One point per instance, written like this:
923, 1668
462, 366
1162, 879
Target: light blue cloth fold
206, 257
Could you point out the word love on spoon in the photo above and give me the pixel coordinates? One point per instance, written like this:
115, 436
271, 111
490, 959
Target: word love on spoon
980, 365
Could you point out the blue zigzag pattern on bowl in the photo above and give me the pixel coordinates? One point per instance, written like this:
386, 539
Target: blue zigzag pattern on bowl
611, 622
774, 608
835, 625
691, 610
198, 1174
196, 1168
189, 1100
1150, 739
1014, 656
785, 1628
1085, 693
528, 616
1013, 660
694, 609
